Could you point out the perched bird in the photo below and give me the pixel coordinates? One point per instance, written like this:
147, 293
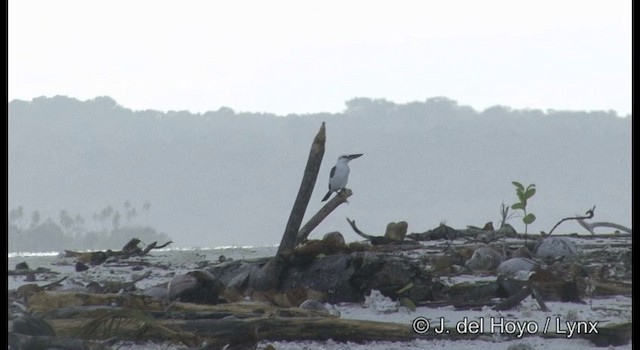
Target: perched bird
340, 174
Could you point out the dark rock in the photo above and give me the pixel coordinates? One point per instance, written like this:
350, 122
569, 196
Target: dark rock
507, 286
330, 274
112, 260
554, 248
484, 258
202, 264
180, 284
440, 232
43, 270
195, 286
349, 277
336, 278
222, 258
31, 325
31, 277
240, 281
98, 258
236, 271
131, 248
235, 275
521, 252
514, 266
390, 273
507, 230
569, 292
81, 267
464, 294
94, 287
22, 266
113, 286
137, 268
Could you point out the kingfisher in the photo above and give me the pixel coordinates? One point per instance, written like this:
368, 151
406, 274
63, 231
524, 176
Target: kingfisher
340, 174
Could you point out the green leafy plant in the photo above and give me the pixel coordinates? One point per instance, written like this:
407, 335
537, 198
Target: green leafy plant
524, 194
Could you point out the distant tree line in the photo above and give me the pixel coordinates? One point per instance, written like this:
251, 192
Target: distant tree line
203, 171
110, 228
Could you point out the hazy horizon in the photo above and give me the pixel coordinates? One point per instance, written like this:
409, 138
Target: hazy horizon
230, 178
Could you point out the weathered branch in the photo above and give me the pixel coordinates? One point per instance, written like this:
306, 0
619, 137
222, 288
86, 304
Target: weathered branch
23, 341
29, 271
148, 248
608, 287
55, 283
237, 331
357, 230
380, 240
164, 245
590, 226
269, 276
588, 215
322, 214
289, 238
153, 245
246, 332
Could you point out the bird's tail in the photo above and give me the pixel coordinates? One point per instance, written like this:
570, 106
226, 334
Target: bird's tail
326, 196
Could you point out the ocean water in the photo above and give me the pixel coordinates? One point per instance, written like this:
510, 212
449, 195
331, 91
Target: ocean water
187, 258
235, 252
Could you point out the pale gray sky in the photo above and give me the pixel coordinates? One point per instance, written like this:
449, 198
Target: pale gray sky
311, 56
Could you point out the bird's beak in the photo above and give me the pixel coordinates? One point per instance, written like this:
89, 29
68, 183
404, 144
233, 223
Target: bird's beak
354, 156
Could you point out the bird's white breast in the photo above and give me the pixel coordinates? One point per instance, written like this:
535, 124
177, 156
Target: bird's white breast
340, 177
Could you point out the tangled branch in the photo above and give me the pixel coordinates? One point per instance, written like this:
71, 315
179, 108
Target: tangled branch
588, 215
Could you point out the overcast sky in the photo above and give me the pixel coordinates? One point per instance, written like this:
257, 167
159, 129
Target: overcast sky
311, 56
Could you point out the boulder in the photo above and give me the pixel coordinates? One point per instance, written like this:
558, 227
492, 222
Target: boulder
195, 286
396, 231
484, 258
515, 266
554, 248
349, 277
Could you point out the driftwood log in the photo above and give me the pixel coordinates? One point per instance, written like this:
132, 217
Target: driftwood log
327, 209
73, 317
590, 226
269, 276
394, 234
130, 249
290, 236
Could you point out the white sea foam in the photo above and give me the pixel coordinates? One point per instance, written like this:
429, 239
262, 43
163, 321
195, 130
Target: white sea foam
12, 255
31, 254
